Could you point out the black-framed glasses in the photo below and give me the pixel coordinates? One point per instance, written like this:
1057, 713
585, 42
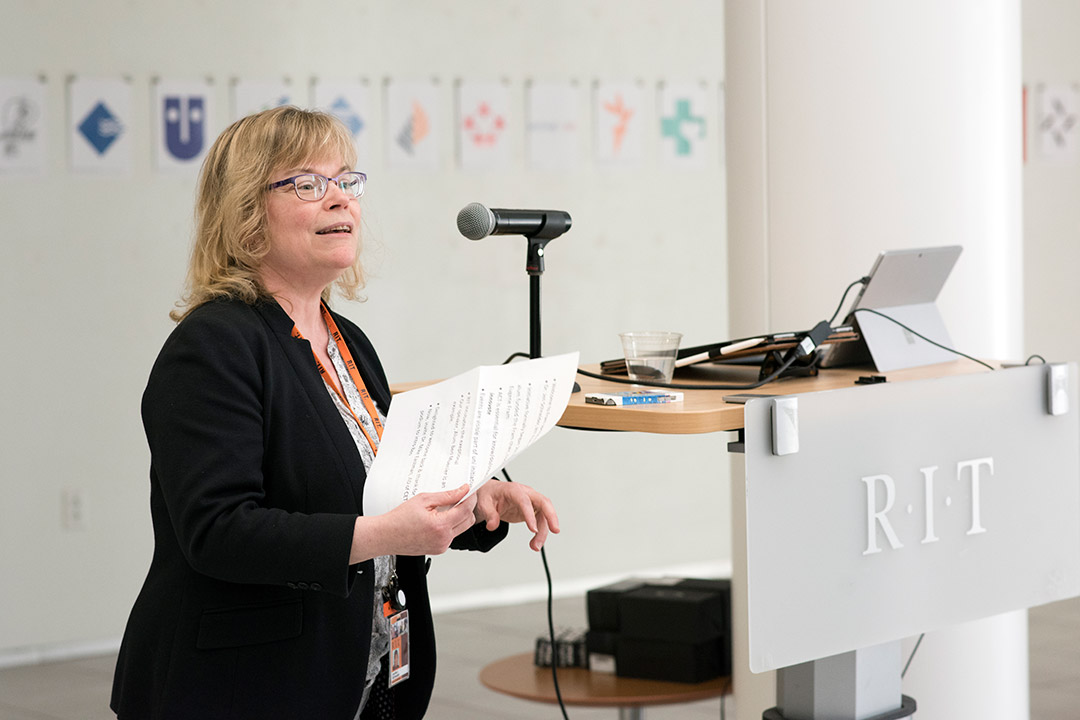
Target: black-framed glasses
312, 186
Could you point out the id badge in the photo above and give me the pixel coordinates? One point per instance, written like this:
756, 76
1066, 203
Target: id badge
399, 647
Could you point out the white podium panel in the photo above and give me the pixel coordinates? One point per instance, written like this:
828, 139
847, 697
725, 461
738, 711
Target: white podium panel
909, 507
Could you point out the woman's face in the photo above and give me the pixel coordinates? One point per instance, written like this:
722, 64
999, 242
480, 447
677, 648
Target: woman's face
311, 242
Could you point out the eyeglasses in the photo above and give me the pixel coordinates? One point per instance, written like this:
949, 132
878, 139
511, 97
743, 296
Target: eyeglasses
312, 187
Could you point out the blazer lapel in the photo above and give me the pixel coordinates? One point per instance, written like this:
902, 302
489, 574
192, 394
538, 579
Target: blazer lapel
298, 352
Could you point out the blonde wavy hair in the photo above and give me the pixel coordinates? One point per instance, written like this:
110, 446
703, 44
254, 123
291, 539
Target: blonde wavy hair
231, 236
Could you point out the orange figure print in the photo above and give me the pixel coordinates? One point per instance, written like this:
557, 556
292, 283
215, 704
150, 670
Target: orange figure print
414, 130
623, 115
420, 127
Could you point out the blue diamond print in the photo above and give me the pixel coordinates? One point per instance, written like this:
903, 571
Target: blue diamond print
345, 113
100, 128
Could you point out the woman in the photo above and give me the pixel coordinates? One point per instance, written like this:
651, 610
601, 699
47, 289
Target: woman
265, 595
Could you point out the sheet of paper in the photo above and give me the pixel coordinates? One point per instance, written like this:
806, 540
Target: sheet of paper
464, 429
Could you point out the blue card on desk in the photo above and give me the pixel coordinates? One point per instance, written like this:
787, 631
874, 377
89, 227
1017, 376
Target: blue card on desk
633, 397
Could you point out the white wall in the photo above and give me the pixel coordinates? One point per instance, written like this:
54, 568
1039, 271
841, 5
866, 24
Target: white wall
90, 266
1051, 57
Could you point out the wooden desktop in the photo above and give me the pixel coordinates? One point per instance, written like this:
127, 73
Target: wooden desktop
705, 411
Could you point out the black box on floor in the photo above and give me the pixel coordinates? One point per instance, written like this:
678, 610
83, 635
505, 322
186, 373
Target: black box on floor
721, 586
672, 661
601, 642
602, 604
601, 647
672, 614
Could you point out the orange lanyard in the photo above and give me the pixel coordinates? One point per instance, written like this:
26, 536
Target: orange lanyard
350, 364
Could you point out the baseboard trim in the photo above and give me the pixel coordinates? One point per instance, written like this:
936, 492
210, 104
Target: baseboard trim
57, 652
440, 603
532, 592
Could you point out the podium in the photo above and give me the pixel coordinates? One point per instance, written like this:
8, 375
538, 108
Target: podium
872, 513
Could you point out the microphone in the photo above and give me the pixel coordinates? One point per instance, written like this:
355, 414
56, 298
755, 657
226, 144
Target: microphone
475, 222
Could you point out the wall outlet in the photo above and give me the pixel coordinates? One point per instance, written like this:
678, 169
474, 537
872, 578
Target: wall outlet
73, 509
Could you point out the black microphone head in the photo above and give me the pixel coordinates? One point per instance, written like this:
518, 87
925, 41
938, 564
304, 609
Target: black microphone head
475, 221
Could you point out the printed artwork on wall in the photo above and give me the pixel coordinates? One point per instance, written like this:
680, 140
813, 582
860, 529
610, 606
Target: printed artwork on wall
687, 125
683, 129
619, 122
252, 96
721, 123
483, 117
350, 102
182, 124
412, 116
552, 129
1059, 121
100, 125
22, 126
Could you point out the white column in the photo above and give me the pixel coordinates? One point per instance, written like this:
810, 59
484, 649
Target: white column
855, 127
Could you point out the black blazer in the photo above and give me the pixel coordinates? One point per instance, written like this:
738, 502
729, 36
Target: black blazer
250, 608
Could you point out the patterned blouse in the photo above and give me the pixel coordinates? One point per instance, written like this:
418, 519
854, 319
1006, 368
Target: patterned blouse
380, 626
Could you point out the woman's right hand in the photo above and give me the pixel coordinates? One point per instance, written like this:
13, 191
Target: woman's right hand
426, 524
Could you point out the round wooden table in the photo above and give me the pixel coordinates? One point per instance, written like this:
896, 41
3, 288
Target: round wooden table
519, 677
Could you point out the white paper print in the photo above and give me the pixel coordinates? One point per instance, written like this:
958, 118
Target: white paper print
482, 125
350, 103
552, 130
618, 111
684, 133
250, 97
22, 125
99, 130
1059, 117
412, 115
182, 117
464, 429
721, 120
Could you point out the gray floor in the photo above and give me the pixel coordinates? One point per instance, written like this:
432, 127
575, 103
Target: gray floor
79, 689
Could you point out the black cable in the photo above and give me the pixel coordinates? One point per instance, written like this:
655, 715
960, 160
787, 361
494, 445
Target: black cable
681, 386
861, 281
551, 631
1028, 361
547, 574
687, 386
912, 656
550, 615
516, 355
788, 362
923, 337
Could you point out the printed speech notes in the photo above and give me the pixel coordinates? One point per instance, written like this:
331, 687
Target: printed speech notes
464, 429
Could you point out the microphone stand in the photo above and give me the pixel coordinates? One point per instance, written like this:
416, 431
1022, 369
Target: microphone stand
534, 266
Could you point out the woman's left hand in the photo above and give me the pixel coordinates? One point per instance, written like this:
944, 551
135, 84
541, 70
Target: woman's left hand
498, 501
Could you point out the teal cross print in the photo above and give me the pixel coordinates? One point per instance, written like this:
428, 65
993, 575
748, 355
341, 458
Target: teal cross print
672, 126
